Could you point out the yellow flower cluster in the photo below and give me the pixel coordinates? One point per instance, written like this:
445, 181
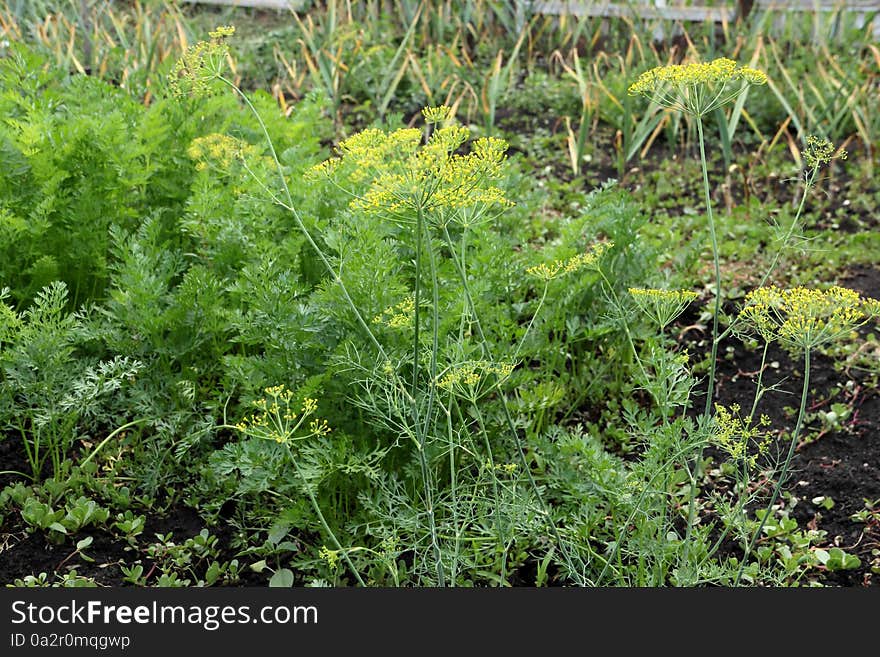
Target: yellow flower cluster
820, 151
696, 87
331, 557
505, 468
662, 306
736, 435
468, 376
559, 268
403, 176
276, 419
218, 150
399, 315
201, 64
803, 318
439, 114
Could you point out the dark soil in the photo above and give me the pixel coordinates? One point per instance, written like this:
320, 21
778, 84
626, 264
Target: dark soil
23, 553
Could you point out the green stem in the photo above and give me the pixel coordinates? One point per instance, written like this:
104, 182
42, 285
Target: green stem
417, 298
299, 222
512, 427
427, 480
317, 509
112, 435
785, 466
499, 527
453, 485
531, 322
794, 222
717, 266
710, 391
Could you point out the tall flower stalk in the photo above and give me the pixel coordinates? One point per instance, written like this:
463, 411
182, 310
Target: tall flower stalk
697, 89
801, 320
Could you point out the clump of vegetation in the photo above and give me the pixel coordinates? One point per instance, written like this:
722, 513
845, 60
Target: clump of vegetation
369, 343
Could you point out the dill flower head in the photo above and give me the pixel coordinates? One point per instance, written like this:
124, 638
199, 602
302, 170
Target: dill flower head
803, 318
279, 419
218, 151
400, 315
559, 268
472, 379
820, 151
662, 306
201, 64
696, 87
742, 438
439, 114
397, 174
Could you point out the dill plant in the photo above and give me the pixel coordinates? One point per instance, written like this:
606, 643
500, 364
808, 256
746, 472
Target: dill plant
432, 365
802, 320
696, 89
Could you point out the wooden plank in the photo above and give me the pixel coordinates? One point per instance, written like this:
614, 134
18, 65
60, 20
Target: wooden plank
820, 5
619, 10
253, 4
861, 11
609, 9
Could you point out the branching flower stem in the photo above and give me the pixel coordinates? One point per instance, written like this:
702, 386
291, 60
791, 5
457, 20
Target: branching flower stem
785, 467
298, 219
510, 425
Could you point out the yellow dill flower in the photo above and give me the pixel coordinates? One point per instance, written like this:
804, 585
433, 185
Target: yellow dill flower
222, 32
743, 439
505, 468
278, 420
329, 556
218, 151
803, 318
662, 306
472, 378
439, 114
200, 64
396, 174
399, 315
820, 151
696, 87
559, 268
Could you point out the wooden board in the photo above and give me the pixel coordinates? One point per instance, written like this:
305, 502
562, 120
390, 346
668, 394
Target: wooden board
696, 11
605, 9
254, 4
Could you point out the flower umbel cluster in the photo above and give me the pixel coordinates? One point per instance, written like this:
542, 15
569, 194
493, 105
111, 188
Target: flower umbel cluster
662, 306
278, 419
399, 315
401, 175
560, 268
200, 64
819, 152
736, 435
468, 378
439, 114
697, 87
218, 151
802, 318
